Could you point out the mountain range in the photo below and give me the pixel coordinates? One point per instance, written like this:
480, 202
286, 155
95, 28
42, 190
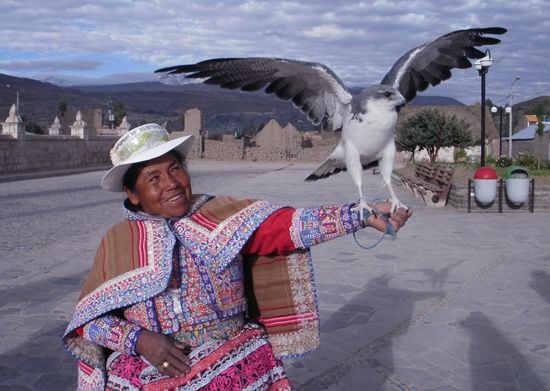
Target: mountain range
224, 111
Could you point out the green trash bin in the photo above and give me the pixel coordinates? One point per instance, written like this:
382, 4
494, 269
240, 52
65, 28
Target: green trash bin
517, 184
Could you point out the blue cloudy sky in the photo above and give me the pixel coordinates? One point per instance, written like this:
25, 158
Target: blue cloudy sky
104, 42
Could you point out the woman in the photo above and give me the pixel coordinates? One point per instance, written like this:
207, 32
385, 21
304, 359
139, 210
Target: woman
198, 292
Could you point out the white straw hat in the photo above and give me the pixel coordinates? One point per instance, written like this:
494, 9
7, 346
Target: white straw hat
143, 143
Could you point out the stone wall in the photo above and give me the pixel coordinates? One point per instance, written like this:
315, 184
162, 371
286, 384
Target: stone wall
192, 122
235, 149
223, 150
42, 153
275, 136
317, 154
458, 199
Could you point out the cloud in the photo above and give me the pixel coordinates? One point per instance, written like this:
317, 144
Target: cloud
119, 78
358, 40
50, 66
331, 32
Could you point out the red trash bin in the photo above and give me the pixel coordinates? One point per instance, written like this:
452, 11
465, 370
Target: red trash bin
485, 185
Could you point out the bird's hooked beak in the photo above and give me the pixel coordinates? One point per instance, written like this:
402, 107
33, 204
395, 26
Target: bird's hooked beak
400, 103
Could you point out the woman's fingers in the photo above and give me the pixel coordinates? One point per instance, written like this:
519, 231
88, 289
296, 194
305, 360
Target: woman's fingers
166, 354
186, 349
400, 217
178, 352
397, 219
176, 362
173, 366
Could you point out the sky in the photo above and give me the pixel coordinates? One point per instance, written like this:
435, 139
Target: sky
119, 41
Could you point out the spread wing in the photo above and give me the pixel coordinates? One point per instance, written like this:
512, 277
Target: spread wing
313, 88
432, 62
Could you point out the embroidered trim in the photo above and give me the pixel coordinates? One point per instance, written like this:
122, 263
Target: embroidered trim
295, 229
317, 225
305, 338
113, 332
133, 286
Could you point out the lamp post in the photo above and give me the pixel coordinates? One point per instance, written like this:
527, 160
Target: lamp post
500, 111
482, 65
509, 111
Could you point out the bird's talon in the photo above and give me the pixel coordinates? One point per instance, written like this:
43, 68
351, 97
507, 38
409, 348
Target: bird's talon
362, 206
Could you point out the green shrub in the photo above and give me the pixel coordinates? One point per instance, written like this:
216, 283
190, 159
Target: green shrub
460, 155
527, 160
504, 161
490, 161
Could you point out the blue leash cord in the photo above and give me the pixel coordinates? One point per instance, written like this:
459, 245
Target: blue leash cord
389, 228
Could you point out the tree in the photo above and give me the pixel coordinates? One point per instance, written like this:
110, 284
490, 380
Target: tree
62, 108
118, 111
407, 138
540, 133
431, 129
31, 126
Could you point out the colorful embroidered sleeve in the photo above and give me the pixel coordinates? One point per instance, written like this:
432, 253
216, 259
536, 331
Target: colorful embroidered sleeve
289, 229
311, 226
113, 333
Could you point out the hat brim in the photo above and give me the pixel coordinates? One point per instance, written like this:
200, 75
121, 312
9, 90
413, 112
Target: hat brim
112, 180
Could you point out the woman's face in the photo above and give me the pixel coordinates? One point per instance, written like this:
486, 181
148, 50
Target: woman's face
163, 188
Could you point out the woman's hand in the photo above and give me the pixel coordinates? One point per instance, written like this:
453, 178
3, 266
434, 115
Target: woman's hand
164, 353
397, 218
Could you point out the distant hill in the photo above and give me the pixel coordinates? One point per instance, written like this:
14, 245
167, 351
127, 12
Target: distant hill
39, 101
422, 100
223, 110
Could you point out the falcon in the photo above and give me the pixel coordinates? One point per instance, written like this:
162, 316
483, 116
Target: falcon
367, 121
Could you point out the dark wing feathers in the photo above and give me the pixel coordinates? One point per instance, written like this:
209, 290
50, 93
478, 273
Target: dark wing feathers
254, 86
311, 87
431, 63
320, 94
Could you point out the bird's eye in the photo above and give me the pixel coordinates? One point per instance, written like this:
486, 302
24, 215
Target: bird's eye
387, 94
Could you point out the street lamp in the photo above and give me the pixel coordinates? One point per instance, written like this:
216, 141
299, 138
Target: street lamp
500, 111
482, 65
509, 110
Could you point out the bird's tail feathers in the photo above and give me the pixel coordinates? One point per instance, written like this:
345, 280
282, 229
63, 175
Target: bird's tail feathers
334, 166
329, 167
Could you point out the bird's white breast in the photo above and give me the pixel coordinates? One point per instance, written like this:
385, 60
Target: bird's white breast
370, 133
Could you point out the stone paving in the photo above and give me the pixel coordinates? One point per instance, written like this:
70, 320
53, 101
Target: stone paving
457, 301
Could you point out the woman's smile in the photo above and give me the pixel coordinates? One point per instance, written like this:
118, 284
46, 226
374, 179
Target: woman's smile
163, 188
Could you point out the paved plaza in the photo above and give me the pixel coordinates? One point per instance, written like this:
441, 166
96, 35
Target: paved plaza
458, 301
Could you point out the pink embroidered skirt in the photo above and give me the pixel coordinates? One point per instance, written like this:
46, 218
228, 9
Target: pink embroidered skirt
245, 361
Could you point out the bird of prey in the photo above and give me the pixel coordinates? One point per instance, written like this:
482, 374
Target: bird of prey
367, 121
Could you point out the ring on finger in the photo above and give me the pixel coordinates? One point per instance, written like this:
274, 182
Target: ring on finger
165, 365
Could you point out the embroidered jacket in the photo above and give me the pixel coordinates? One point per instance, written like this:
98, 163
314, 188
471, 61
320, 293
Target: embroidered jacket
182, 274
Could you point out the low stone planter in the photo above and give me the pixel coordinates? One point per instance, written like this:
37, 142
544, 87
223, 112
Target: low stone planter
458, 199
